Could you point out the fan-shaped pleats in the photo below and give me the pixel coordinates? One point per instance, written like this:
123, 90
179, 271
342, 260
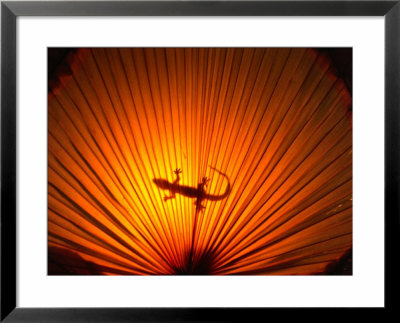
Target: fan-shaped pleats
271, 127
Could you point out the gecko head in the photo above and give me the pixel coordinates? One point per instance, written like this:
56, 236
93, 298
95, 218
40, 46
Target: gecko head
161, 183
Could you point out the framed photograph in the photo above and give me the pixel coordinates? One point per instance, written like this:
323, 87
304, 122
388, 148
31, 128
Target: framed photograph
197, 161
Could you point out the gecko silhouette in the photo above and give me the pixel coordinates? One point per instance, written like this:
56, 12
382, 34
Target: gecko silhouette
198, 192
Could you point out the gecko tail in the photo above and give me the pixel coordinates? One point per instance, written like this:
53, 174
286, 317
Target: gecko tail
227, 190
213, 168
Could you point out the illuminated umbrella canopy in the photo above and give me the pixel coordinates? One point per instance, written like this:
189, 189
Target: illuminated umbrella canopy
212, 161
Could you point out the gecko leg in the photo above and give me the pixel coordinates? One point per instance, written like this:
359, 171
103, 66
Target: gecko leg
205, 181
166, 198
177, 172
200, 207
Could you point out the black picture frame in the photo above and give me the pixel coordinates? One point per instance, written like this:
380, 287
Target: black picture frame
10, 10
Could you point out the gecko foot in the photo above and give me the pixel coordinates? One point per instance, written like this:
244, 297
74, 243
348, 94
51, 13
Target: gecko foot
205, 181
177, 171
199, 207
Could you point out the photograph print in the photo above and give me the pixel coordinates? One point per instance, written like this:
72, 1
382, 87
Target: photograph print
200, 161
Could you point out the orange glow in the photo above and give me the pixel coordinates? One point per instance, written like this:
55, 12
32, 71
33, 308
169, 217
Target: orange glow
276, 122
